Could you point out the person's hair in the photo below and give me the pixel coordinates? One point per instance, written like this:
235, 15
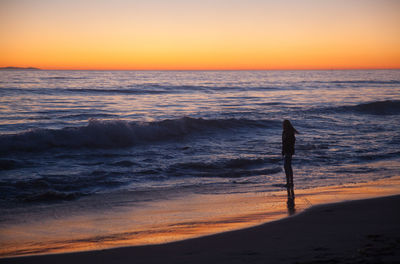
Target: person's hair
287, 127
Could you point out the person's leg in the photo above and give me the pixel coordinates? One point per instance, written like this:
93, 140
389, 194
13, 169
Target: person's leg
286, 167
288, 170
291, 172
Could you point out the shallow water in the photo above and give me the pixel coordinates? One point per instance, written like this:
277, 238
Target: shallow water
110, 140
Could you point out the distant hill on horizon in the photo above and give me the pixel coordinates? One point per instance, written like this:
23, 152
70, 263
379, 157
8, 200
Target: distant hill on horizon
19, 68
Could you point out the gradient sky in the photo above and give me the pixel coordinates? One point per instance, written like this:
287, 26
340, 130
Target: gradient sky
200, 34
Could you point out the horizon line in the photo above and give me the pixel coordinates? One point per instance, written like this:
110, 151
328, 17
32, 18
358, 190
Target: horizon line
260, 69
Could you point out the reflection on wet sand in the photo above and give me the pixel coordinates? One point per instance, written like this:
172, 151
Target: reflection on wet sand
174, 219
290, 200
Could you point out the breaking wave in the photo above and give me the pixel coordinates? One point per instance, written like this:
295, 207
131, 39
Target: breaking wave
388, 107
118, 133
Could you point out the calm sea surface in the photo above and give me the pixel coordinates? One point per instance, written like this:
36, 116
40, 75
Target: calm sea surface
147, 135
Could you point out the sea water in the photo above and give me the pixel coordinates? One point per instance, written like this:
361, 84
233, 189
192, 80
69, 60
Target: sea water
117, 138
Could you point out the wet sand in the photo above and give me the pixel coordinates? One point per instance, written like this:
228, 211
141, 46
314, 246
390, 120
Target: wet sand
168, 220
362, 231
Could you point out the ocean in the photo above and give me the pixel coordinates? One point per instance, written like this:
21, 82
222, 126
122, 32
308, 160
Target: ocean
73, 142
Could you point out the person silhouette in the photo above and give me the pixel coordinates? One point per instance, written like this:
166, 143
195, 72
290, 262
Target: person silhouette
288, 141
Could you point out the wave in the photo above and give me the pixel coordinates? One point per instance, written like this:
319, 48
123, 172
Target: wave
360, 82
118, 91
388, 107
81, 115
8, 164
162, 89
124, 163
230, 168
59, 187
51, 196
227, 164
138, 89
368, 82
118, 133
63, 78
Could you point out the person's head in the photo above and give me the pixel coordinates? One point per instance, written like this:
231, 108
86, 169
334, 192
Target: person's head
287, 126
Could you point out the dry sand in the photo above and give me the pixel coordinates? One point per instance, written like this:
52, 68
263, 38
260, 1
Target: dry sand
364, 231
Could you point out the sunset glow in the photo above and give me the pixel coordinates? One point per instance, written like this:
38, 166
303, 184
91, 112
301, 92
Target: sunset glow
194, 35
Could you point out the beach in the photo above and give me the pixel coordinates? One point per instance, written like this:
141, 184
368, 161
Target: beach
336, 224
362, 231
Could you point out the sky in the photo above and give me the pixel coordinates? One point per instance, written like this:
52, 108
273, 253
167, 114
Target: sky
200, 35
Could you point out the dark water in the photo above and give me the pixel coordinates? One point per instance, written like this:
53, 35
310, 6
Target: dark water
65, 135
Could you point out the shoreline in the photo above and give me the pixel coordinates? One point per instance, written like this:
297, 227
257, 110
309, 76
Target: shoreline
352, 231
215, 227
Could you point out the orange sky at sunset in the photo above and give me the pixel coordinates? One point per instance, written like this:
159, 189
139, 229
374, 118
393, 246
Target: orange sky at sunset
188, 34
